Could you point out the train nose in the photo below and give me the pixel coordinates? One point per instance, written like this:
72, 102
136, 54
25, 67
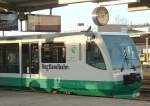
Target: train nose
128, 86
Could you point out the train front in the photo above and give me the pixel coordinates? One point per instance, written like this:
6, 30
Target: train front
126, 69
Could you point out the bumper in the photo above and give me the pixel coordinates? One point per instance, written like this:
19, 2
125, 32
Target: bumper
122, 90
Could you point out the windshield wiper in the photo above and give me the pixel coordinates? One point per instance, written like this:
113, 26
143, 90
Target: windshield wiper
126, 59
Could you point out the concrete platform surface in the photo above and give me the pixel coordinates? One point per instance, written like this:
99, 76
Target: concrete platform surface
22, 98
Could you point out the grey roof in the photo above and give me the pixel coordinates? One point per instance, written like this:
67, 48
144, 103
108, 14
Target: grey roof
39, 36
51, 36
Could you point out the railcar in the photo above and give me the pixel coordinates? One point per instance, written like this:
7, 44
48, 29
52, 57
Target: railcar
82, 63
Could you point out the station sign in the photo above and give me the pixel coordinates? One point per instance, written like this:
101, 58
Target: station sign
43, 23
8, 21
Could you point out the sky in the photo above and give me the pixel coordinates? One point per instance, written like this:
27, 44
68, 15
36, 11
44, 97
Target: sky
82, 13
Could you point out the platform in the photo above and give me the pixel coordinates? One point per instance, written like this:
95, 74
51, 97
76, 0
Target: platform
25, 98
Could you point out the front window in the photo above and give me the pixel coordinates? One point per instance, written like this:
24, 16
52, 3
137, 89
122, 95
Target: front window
122, 51
94, 56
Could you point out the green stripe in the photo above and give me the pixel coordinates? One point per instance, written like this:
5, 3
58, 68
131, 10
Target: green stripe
91, 88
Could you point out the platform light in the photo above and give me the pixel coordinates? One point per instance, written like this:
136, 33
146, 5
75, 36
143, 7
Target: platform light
115, 2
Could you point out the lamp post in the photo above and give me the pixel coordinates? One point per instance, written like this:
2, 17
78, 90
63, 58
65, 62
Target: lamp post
147, 54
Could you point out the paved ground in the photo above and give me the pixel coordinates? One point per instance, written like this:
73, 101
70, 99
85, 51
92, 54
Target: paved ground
21, 98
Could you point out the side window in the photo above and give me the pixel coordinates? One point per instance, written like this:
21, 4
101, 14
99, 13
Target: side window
53, 53
94, 56
9, 58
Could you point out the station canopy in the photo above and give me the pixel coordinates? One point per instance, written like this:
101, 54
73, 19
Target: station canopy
28, 5
32, 5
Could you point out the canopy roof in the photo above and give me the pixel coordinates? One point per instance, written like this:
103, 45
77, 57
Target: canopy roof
32, 5
28, 5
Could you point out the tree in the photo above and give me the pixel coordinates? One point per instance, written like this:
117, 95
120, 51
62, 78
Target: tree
120, 20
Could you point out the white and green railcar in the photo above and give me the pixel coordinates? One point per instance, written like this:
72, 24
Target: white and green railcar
84, 63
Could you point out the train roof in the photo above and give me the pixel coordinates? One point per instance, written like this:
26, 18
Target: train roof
39, 36
53, 35
112, 33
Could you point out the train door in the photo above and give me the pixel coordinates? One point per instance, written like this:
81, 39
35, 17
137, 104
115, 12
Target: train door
30, 59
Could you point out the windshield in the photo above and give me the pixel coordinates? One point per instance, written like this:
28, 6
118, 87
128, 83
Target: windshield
122, 51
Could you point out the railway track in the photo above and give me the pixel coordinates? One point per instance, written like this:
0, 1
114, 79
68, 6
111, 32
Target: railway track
143, 98
145, 91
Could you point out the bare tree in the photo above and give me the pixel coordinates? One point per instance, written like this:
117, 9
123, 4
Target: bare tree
120, 20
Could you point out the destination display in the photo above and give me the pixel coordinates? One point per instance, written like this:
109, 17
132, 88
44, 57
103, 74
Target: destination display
55, 66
